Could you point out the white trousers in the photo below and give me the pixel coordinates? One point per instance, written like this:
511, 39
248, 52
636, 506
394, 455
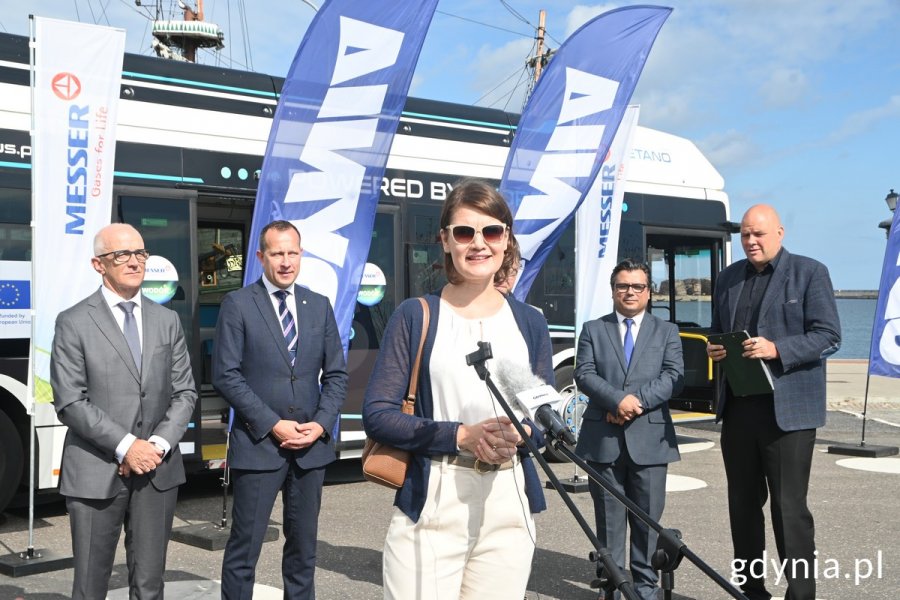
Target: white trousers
474, 539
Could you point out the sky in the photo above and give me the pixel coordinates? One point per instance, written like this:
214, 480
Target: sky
795, 102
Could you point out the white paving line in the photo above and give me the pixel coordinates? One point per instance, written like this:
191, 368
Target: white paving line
859, 415
874, 465
681, 483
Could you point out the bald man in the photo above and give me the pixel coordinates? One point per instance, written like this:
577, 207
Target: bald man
786, 303
122, 384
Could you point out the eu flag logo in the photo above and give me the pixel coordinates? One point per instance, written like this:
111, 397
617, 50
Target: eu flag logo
15, 294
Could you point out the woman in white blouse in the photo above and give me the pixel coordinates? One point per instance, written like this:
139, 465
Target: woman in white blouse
463, 526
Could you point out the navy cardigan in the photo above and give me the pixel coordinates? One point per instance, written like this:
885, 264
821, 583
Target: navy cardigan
419, 433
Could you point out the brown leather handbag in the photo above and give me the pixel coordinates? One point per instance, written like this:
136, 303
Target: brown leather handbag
383, 464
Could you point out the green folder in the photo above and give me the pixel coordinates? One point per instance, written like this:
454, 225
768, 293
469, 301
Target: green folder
746, 376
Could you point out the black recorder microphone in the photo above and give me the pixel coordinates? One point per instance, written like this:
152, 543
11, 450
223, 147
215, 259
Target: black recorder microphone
532, 397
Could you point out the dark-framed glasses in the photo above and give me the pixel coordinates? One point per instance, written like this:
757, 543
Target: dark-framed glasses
120, 257
638, 288
464, 234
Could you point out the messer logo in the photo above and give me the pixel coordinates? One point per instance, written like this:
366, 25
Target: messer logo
66, 86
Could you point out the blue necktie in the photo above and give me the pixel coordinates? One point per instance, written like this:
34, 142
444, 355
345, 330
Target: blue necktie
288, 327
629, 341
131, 332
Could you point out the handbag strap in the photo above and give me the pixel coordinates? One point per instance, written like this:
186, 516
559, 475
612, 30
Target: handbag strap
410, 401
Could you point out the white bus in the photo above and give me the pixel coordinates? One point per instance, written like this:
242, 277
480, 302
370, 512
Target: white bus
191, 141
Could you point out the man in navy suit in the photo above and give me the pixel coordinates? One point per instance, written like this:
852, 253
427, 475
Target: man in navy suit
629, 363
276, 344
786, 303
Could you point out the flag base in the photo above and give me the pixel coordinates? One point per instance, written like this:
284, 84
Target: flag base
863, 449
209, 536
573, 485
32, 562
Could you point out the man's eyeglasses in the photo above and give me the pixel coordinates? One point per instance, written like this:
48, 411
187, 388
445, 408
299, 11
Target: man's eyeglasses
464, 234
120, 257
638, 288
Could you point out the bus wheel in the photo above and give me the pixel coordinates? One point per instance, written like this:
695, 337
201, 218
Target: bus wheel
565, 385
11, 458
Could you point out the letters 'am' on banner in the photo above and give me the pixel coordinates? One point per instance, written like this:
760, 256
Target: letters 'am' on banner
884, 355
569, 124
330, 139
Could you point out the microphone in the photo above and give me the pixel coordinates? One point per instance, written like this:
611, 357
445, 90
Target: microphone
532, 397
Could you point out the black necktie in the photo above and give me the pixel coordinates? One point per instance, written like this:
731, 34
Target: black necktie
131, 332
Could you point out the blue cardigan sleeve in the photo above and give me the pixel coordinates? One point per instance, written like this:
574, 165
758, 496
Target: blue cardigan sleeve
382, 419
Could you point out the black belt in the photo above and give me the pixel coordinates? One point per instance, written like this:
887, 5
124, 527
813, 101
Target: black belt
470, 462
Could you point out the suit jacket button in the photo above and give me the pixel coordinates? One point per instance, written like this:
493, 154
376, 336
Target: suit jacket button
143, 394
140, 423
293, 378
290, 409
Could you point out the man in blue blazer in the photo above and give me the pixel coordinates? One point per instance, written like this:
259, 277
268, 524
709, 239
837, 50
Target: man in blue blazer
278, 361
786, 303
629, 363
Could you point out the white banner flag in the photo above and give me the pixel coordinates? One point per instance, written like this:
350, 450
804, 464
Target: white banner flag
597, 225
77, 75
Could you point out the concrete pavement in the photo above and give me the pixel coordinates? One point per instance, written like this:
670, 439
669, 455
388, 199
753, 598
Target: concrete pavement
858, 532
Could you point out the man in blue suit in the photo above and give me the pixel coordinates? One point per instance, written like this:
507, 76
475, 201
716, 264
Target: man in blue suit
786, 303
629, 363
276, 344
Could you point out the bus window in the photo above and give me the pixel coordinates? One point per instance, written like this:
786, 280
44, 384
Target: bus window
165, 225
220, 260
377, 296
554, 289
425, 256
15, 226
682, 279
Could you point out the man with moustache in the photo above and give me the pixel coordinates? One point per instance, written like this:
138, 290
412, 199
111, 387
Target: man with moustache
629, 363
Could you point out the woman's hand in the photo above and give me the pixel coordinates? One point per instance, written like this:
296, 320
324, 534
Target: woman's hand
492, 441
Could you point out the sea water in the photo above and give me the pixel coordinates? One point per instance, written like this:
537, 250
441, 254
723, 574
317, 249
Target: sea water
856, 314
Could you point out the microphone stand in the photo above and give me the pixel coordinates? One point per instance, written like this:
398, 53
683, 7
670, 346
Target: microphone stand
615, 577
670, 549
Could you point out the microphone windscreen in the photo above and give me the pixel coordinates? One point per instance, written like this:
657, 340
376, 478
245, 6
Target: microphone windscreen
513, 377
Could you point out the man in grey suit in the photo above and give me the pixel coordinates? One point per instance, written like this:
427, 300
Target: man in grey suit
786, 303
122, 384
629, 363
279, 362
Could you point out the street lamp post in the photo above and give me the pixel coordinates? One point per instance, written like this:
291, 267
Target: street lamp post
891, 200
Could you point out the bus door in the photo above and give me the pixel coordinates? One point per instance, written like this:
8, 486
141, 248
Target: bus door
684, 268
223, 227
380, 292
165, 218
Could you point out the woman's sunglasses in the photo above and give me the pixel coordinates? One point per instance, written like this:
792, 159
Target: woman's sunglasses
464, 234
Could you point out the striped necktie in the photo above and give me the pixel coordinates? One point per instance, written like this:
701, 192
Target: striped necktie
288, 326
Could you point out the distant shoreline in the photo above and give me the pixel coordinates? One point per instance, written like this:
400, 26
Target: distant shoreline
859, 294
848, 294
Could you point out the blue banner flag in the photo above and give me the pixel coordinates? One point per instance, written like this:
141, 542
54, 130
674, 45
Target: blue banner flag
884, 355
330, 139
15, 294
569, 124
